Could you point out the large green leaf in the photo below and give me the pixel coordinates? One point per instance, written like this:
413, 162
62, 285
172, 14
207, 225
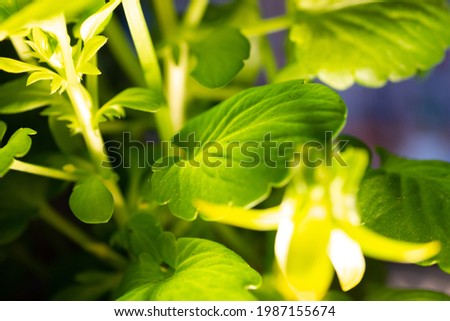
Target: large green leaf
31, 97
369, 43
203, 270
220, 56
91, 201
232, 163
409, 200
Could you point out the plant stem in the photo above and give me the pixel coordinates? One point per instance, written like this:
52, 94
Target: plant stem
176, 85
195, 12
148, 60
42, 171
167, 17
268, 26
121, 50
83, 108
143, 43
99, 249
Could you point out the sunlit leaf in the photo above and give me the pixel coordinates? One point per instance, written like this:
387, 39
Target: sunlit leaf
95, 24
413, 194
204, 270
369, 43
31, 96
90, 49
226, 157
141, 99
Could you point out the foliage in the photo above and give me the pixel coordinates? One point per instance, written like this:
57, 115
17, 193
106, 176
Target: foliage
213, 131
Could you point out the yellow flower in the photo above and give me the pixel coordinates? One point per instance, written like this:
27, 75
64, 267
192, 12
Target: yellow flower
318, 228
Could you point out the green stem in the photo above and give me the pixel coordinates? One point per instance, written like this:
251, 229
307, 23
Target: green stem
143, 43
79, 237
268, 26
177, 74
148, 60
122, 52
195, 12
84, 110
42, 171
167, 17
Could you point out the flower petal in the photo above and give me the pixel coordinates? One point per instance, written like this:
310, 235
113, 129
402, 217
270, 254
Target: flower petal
384, 248
347, 258
301, 252
260, 220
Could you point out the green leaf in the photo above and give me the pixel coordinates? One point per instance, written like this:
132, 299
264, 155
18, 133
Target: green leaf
18, 146
232, 162
19, 15
31, 97
91, 201
140, 235
8, 7
96, 23
204, 270
369, 43
141, 99
220, 56
90, 49
16, 66
409, 200
385, 294
64, 112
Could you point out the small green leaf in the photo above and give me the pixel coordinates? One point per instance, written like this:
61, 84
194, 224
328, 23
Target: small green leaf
204, 270
349, 45
18, 146
90, 49
220, 56
95, 24
409, 200
141, 99
91, 201
16, 66
232, 162
64, 112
